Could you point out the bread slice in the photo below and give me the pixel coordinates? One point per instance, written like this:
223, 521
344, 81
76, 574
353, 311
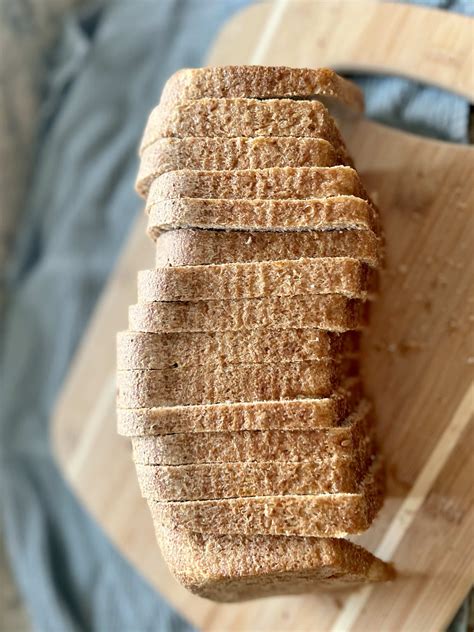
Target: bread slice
323, 214
328, 445
230, 281
143, 350
188, 247
315, 515
324, 311
261, 152
234, 118
300, 414
276, 183
235, 568
261, 82
209, 481
233, 383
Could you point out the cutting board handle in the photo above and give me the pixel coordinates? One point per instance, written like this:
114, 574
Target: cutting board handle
428, 45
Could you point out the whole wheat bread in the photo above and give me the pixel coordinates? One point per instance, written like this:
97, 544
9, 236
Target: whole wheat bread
330, 312
237, 568
188, 247
330, 213
260, 152
261, 82
318, 515
328, 445
230, 281
299, 414
233, 118
276, 183
232, 383
209, 481
143, 350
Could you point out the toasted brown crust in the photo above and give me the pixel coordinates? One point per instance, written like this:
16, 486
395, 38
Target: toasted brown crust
337, 212
319, 515
304, 414
236, 383
143, 350
230, 281
261, 82
188, 247
325, 311
328, 445
229, 568
276, 183
172, 154
233, 118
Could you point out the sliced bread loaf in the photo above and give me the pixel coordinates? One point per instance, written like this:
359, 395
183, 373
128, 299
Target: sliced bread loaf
325, 311
237, 568
261, 152
230, 281
329, 213
305, 414
188, 247
143, 350
318, 515
261, 82
233, 118
233, 383
328, 445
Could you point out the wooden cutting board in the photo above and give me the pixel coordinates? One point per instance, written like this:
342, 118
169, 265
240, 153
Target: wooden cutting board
420, 359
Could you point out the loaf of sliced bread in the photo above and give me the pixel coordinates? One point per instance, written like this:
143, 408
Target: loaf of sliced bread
234, 118
315, 515
232, 383
191, 247
301, 414
144, 350
331, 312
328, 445
323, 214
261, 82
277, 183
261, 152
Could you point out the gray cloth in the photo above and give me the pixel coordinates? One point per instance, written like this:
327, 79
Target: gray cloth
104, 77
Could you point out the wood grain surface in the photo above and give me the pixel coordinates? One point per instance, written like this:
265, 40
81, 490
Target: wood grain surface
419, 354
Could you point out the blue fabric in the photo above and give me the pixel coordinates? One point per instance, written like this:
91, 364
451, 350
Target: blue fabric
104, 77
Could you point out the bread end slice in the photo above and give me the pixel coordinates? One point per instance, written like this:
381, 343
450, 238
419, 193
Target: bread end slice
238, 568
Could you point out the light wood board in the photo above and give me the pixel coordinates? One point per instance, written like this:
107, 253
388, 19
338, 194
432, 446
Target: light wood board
420, 356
